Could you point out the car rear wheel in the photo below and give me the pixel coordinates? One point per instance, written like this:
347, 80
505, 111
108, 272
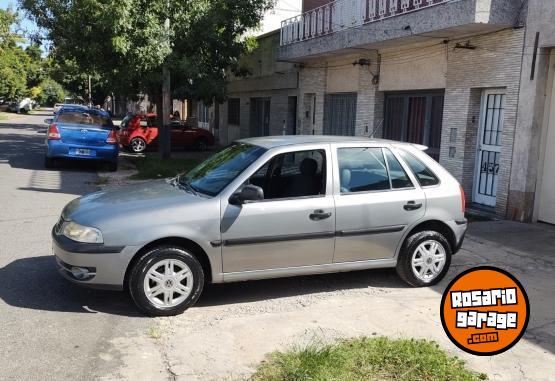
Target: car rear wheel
166, 281
137, 145
424, 259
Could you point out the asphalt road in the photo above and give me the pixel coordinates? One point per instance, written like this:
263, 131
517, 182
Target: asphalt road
49, 329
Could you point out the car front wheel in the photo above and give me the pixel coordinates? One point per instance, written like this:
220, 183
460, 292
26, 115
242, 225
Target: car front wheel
166, 281
424, 259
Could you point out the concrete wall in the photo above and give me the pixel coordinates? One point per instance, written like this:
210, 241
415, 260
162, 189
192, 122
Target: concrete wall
268, 79
540, 18
419, 67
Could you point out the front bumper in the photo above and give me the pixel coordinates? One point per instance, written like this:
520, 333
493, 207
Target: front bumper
102, 266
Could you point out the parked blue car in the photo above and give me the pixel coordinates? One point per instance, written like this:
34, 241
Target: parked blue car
83, 133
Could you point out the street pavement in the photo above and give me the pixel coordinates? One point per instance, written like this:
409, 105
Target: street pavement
49, 329
52, 330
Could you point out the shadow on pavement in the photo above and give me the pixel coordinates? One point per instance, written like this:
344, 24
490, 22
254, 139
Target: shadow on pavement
34, 283
26, 151
253, 291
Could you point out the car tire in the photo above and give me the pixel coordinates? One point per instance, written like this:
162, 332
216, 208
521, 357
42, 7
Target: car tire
200, 144
137, 145
48, 162
175, 297
424, 258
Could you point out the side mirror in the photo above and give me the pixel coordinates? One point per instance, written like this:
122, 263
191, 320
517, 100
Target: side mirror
48, 121
248, 193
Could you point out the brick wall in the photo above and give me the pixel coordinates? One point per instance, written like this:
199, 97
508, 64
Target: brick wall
495, 63
312, 83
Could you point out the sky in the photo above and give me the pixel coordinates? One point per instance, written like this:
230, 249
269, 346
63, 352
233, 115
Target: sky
25, 23
284, 9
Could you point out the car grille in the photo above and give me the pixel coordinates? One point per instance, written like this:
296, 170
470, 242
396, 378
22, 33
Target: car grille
58, 226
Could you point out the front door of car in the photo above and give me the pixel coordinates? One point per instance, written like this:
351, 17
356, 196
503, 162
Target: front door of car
376, 200
294, 225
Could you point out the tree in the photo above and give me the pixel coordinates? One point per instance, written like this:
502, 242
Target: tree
129, 41
50, 93
13, 60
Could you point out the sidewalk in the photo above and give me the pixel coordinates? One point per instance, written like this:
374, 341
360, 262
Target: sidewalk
235, 325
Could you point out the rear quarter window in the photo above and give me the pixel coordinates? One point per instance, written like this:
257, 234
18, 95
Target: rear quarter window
423, 174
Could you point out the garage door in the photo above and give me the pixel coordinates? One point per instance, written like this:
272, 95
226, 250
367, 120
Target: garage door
546, 210
340, 114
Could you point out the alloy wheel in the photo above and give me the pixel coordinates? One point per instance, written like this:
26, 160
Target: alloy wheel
428, 260
138, 145
168, 283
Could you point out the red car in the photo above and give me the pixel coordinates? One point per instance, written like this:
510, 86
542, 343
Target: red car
139, 131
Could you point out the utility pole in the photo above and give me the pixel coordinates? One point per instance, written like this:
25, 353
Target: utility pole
90, 92
165, 144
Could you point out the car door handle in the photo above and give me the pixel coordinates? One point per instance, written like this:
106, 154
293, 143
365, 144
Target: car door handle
411, 205
319, 214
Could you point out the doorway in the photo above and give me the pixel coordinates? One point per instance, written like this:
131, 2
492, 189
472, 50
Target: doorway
260, 117
492, 117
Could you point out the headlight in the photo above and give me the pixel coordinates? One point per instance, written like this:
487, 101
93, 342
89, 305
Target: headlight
81, 233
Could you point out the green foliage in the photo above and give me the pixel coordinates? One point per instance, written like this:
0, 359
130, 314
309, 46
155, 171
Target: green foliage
128, 41
365, 358
51, 92
154, 167
21, 70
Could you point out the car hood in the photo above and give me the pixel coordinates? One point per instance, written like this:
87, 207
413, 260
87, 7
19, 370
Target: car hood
127, 201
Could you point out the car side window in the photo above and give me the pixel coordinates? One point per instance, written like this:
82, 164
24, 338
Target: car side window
144, 122
422, 173
362, 169
398, 176
292, 174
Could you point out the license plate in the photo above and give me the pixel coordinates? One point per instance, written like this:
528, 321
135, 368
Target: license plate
83, 151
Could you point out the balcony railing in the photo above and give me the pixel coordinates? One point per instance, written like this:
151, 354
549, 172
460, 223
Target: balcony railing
345, 14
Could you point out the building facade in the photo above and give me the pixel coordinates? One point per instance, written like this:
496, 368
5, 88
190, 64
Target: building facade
470, 79
265, 101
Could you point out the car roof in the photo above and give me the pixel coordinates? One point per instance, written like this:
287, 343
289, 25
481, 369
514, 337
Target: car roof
286, 140
80, 108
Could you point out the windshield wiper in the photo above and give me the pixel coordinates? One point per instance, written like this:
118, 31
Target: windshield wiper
185, 185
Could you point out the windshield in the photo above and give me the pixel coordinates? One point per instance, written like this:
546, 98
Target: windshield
84, 117
215, 173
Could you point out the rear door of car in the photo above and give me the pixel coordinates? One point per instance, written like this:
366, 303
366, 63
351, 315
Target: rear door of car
376, 200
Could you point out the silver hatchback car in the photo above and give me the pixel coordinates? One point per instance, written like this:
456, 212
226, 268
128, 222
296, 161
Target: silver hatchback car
263, 208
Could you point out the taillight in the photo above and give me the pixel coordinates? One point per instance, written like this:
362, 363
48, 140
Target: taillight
112, 138
53, 133
463, 199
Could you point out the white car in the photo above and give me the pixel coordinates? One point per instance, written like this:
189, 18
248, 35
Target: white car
57, 107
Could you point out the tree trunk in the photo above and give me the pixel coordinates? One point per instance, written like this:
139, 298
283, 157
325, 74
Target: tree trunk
165, 109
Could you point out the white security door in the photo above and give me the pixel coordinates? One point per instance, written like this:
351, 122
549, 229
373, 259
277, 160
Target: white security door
546, 209
492, 117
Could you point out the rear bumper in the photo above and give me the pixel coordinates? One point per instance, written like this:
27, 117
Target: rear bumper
59, 149
459, 228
